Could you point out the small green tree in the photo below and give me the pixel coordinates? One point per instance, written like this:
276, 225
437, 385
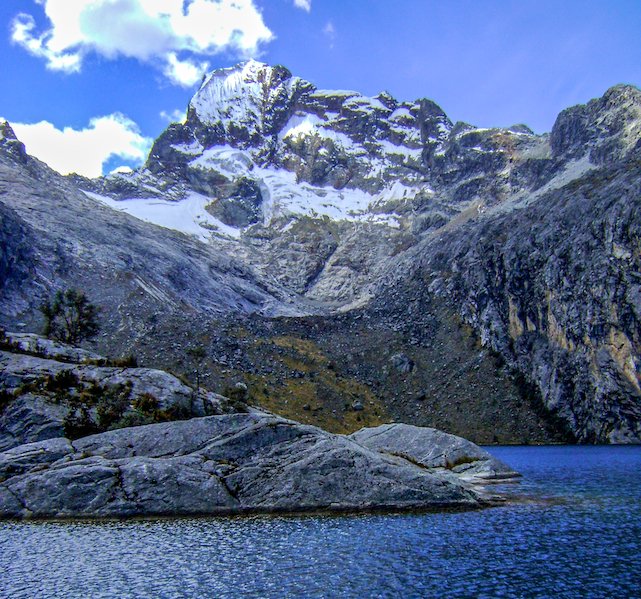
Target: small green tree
70, 317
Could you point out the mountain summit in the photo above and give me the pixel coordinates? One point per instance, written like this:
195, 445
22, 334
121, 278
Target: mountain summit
259, 144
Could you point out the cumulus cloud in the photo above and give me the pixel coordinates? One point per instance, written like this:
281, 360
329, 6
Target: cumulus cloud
85, 151
306, 5
184, 72
175, 35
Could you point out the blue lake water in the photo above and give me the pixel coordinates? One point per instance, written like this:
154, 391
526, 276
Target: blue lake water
578, 534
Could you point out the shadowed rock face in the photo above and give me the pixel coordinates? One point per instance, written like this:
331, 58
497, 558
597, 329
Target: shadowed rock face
554, 287
216, 465
16, 259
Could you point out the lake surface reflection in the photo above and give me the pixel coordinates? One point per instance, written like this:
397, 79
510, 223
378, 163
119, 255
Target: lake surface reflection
576, 533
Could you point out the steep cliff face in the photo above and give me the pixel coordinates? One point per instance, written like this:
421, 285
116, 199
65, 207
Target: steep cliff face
555, 288
550, 279
606, 128
295, 201
15, 254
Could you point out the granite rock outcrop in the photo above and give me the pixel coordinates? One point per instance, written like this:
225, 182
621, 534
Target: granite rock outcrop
236, 463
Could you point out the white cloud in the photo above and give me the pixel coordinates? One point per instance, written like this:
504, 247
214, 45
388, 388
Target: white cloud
175, 116
22, 34
84, 151
175, 35
306, 5
184, 72
330, 32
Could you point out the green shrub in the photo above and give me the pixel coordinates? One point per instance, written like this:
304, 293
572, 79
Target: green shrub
28, 387
147, 404
174, 412
62, 381
238, 396
96, 361
130, 361
70, 317
5, 342
90, 394
78, 423
237, 392
112, 405
133, 419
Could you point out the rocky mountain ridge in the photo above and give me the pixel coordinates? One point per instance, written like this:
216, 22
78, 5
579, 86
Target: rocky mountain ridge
298, 202
263, 159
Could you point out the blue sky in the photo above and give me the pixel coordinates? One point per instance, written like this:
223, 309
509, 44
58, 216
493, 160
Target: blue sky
90, 82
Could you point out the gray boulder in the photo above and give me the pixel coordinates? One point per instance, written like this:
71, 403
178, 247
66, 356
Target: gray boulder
233, 463
30, 418
49, 348
434, 449
18, 369
402, 363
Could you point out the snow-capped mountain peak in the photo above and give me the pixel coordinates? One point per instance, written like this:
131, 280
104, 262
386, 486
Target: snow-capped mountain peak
260, 145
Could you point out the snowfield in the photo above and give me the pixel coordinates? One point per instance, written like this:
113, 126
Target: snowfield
187, 216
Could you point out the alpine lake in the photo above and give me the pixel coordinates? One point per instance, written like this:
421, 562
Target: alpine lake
572, 528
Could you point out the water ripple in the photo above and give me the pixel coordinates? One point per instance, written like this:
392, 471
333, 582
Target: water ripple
578, 536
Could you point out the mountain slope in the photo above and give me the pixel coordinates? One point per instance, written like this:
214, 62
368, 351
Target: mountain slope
53, 236
388, 222
555, 288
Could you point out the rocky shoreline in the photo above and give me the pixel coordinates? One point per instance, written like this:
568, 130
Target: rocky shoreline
239, 460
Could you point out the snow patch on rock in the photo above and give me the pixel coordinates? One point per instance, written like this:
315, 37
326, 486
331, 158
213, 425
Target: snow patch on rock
187, 216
